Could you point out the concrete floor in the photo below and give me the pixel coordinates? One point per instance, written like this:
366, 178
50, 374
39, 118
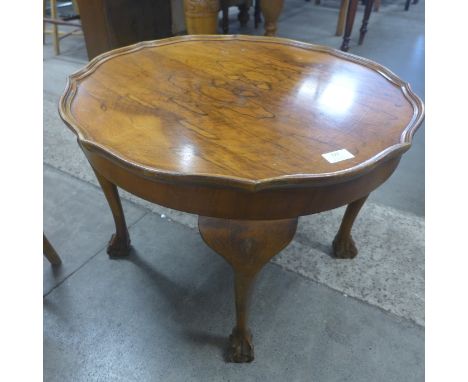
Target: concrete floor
164, 313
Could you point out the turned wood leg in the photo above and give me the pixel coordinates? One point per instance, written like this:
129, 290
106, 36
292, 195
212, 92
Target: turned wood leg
271, 10
119, 244
340, 26
343, 244
49, 252
247, 245
201, 16
257, 13
365, 20
350, 15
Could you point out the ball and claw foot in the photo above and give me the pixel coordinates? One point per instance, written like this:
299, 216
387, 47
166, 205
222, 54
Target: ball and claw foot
118, 247
344, 248
241, 348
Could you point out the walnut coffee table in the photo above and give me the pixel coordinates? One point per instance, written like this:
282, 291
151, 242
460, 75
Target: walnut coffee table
249, 133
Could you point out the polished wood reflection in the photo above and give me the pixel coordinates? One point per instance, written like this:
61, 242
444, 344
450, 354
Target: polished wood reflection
250, 109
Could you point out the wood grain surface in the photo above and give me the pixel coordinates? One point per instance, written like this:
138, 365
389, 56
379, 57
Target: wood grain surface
251, 111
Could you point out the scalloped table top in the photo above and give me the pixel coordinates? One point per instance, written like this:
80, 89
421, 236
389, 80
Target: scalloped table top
246, 109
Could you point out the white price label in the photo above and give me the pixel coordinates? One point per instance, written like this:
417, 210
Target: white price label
338, 156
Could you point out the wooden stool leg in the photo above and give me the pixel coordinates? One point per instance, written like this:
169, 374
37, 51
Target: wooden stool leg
201, 16
119, 244
49, 252
258, 13
365, 21
407, 4
343, 244
55, 36
342, 17
247, 245
350, 15
271, 10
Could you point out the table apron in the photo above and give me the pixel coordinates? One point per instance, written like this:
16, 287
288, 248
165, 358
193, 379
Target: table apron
231, 203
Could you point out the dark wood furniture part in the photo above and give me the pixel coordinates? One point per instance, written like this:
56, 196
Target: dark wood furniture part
110, 24
408, 2
350, 16
247, 132
201, 16
257, 13
365, 20
243, 15
346, 18
49, 252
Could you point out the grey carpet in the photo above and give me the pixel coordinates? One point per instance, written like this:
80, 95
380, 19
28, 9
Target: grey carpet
388, 272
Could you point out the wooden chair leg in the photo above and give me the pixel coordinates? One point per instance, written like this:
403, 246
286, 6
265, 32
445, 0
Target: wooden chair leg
350, 16
119, 244
342, 17
247, 245
49, 252
343, 244
407, 4
55, 36
365, 20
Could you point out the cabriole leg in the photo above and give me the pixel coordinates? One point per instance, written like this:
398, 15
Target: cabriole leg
247, 245
119, 244
343, 244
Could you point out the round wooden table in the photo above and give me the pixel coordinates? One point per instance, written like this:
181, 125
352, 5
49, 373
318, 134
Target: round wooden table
247, 132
